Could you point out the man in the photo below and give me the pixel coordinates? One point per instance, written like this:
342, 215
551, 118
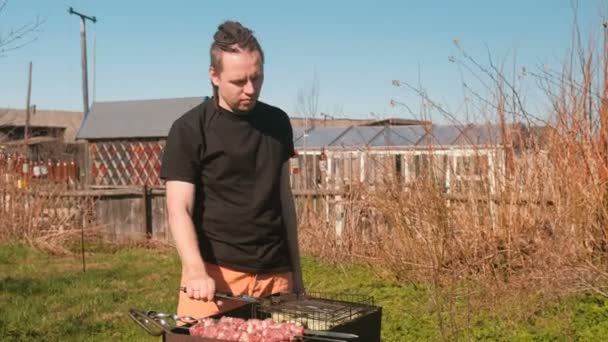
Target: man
229, 202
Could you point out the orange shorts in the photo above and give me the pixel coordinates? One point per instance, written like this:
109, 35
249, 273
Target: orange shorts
237, 283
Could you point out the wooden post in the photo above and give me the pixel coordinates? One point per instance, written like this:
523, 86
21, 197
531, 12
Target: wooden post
147, 211
362, 156
87, 177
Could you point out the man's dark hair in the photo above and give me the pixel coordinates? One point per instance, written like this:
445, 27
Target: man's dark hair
231, 36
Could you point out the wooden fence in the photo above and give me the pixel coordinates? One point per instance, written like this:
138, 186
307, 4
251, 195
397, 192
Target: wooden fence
139, 213
122, 214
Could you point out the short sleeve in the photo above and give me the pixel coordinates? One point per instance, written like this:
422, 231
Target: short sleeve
181, 156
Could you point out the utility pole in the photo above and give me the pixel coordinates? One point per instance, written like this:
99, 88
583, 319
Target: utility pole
26, 133
94, 65
85, 93
83, 55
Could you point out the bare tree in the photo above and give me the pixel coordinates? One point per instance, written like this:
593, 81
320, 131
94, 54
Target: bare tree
308, 101
308, 107
20, 36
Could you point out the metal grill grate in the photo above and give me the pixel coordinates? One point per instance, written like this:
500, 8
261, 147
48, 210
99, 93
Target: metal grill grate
316, 311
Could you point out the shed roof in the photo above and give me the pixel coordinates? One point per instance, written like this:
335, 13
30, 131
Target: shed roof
71, 121
153, 119
135, 119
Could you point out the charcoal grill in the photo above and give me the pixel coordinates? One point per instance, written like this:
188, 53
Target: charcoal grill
338, 312
354, 314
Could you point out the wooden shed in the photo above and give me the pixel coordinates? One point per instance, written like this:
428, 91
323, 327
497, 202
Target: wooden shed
126, 139
125, 142
51, 133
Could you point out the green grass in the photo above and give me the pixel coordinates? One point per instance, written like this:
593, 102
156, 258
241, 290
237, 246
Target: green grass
49, 298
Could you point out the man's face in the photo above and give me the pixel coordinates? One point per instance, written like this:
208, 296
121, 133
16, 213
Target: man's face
240, 81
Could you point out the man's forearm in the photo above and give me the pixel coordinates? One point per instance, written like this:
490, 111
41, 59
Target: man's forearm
180, 204
186, 241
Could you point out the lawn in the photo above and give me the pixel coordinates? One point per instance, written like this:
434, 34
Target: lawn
49, 298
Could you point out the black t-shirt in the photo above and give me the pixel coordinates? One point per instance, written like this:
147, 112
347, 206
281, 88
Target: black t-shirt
235, 161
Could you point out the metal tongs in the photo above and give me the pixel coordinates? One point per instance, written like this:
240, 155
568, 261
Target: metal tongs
225, 295
155, 323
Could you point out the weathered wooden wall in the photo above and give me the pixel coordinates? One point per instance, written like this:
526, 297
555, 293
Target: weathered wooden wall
131, 213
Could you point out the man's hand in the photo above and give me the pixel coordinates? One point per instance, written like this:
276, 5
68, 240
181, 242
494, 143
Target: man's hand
199, 285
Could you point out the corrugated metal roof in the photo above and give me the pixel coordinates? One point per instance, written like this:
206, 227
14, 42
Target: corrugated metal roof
135, 119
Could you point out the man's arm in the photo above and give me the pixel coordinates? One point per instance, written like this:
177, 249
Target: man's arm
180, 202
291, 223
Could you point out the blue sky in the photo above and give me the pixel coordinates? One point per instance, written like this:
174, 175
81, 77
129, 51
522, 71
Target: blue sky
158, 49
